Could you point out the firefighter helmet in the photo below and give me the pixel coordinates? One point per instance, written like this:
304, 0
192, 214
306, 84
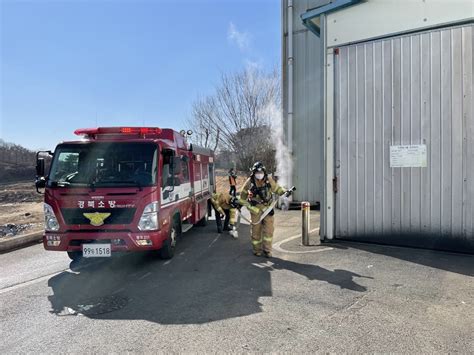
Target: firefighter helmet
258, 166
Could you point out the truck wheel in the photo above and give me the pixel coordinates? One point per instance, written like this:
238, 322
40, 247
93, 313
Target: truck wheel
74, 255
169, 245
203, 221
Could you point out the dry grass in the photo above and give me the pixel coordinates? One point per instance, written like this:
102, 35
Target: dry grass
222, 181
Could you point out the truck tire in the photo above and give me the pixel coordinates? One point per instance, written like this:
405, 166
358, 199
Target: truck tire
75, 255
169, 245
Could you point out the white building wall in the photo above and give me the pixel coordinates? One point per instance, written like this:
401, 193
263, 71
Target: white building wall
371, 19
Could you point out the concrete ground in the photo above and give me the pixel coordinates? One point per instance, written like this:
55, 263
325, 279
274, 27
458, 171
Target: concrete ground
215, 296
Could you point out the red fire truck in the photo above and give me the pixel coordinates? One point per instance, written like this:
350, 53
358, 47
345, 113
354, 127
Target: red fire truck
124, 189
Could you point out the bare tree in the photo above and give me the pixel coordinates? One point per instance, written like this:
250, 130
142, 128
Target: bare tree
16, 162
204, 134
236, 116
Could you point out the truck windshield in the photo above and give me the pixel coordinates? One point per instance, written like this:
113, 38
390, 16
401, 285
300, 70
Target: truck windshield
104, 165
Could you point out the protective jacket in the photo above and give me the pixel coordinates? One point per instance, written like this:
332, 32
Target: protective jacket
221, 202
258, 193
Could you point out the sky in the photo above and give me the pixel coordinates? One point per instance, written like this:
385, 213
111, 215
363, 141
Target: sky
67, 64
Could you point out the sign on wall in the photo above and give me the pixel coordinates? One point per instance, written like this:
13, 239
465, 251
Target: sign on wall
408, 156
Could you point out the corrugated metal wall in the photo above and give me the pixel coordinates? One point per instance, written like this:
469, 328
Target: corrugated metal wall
307, 103
414, 89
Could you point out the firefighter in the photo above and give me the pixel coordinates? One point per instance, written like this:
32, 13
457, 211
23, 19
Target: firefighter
232, 182
256, 195
224, 207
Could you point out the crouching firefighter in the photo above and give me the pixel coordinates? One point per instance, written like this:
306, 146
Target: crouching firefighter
224, 207
257, 195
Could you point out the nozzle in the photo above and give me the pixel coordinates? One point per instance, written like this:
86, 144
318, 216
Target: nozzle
290, 191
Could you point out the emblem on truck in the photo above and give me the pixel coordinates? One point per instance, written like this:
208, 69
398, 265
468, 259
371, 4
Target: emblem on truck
97, 219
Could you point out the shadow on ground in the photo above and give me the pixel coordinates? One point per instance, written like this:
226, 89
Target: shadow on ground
211, 278
342, 278
447, 261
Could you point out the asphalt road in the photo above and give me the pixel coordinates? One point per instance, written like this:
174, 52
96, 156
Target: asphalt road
216, 296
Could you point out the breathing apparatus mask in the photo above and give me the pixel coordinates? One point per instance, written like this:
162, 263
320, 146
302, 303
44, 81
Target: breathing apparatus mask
258, 170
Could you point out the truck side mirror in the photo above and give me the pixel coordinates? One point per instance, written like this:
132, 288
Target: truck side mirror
40, 167
40, 183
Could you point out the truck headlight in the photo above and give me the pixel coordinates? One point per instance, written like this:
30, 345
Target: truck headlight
50, 220
149, 218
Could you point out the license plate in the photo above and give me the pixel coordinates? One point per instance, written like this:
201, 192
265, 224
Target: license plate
96, 250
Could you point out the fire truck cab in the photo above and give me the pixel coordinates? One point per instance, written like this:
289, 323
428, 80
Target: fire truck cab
123, 189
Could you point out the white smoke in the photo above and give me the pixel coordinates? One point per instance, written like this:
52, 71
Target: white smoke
273, 115
282, 153
242, 39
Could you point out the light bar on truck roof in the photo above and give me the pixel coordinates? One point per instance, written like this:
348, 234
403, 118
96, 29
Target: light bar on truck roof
117, 130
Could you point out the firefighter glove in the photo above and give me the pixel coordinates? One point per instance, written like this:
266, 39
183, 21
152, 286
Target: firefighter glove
234, 202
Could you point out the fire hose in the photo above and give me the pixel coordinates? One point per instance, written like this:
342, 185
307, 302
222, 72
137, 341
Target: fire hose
266, 211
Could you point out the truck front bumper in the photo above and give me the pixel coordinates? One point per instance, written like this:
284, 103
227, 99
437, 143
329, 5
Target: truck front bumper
119, 241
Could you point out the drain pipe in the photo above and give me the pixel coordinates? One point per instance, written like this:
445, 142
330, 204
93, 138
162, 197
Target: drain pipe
289, 140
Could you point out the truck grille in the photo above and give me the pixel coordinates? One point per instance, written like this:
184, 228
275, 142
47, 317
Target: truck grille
117, 215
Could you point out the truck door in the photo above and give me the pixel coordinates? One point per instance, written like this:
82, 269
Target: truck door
170, 179
197, 178
212, 182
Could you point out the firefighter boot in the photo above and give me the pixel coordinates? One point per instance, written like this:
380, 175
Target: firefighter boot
233, 232
218, 220
219, 224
